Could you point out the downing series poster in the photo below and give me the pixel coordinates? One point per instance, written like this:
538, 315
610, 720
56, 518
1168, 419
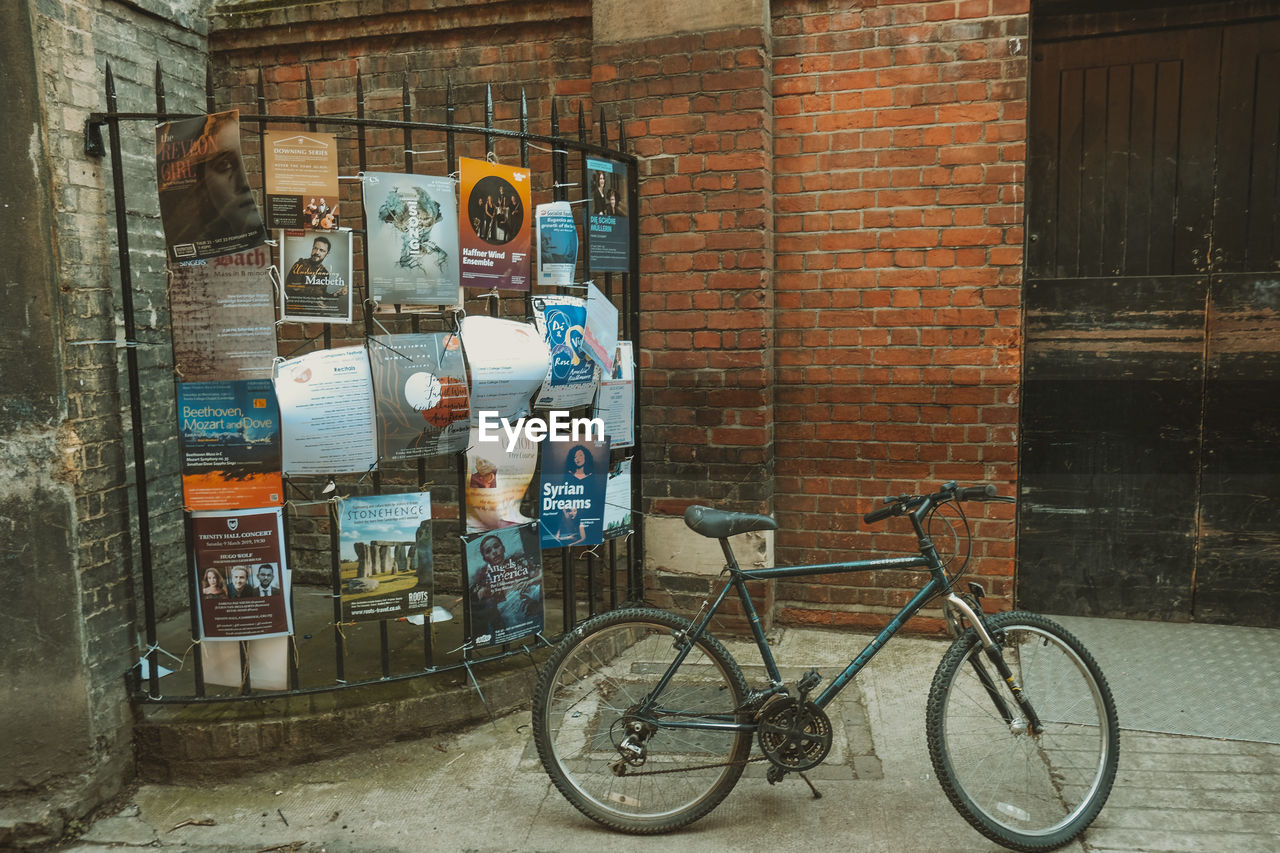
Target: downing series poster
301, 176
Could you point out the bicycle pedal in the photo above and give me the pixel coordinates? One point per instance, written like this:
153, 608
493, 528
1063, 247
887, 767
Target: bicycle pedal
807, 682
775, 774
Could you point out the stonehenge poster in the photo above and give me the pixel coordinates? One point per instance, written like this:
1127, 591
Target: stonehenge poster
385, 556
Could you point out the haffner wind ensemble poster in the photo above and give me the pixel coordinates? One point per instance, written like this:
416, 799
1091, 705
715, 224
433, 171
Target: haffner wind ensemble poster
495, 232
385, 555
412, 239
420, 389
206, 206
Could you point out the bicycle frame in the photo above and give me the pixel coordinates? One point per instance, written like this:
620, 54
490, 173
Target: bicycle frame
937, 584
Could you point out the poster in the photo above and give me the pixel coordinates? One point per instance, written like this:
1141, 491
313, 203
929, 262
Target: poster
504, 585
242, 580
229, 444
508, 361
315, 271
301, 176
557, 238
608, 229
498, 476
326, 412
266, 663
385, 555
206, 207
420, 392
617, 501
600, 333
412, 223
616, 399
223, 317
571, 496
495, 230
570, 380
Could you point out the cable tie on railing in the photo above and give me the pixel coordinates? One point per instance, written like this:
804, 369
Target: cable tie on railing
551, 150
359, 176
431, 151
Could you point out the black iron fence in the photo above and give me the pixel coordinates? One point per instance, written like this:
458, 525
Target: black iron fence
611, 573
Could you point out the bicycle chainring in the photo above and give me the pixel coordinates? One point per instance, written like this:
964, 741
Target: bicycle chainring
793, 735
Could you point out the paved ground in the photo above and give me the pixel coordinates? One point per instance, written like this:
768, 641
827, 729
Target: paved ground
483, 789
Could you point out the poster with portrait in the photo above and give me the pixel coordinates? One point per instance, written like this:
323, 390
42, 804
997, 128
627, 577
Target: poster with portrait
420, 393
500, 468
571, 377
496, 226
223, 317
385, 556
206, 207
504, 585
327, 421
617, 501
315, 274
571, 495
229, 444
608, 212
301, 177
556, 236
412, 223
616, 400
242, 579
508, 362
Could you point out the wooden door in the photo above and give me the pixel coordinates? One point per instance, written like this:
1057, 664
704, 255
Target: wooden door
1150, 471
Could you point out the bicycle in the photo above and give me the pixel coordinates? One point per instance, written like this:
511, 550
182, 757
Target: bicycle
644, 722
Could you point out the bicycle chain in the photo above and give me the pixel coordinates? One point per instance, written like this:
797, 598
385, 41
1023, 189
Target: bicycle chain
697, 767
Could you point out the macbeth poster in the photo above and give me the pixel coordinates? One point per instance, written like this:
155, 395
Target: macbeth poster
241, 577
420, 391
497, 224
223, 318
205, 204
608, 229
385, 555
412, 240
229, 444
315, 269
504, 585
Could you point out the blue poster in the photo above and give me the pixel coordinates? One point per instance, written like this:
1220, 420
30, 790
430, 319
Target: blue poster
229, 444
608, 217
504, 585
571, 376
571, 499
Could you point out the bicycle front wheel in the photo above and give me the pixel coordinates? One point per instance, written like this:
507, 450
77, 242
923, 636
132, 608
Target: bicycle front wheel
640, 773
1026, 789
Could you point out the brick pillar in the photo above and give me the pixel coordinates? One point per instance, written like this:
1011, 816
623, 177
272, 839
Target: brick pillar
692, 84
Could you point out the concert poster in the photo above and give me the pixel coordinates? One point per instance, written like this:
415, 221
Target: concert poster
496, 226
557, 241
412, 223
571, 496
315, 274
229, 444
571, 377
608, 212
242, 578
206, 206
301, 176
504, 585
223, 317
420, 392
385, 556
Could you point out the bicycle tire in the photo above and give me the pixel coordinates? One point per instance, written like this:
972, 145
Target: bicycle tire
1027, 792
600, 669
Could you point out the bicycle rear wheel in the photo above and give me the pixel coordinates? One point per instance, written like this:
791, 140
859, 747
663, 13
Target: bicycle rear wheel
1025, 790
582, 712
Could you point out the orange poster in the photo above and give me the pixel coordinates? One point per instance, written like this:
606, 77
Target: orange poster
496, 226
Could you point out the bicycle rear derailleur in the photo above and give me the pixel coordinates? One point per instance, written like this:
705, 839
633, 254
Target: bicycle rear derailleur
794, 734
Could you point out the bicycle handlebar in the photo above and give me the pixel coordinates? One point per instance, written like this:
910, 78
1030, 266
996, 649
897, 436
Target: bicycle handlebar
950, 492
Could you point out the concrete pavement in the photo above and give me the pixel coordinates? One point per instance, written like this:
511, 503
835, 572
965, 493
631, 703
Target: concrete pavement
483, 789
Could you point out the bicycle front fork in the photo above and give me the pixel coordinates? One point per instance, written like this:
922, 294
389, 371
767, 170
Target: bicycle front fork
969, 608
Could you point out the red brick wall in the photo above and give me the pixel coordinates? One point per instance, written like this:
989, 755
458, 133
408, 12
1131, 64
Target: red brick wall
898, 173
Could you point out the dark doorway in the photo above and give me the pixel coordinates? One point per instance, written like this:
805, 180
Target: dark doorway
1150, 470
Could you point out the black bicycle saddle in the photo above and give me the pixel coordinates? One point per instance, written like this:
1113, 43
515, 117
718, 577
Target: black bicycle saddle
719, 524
